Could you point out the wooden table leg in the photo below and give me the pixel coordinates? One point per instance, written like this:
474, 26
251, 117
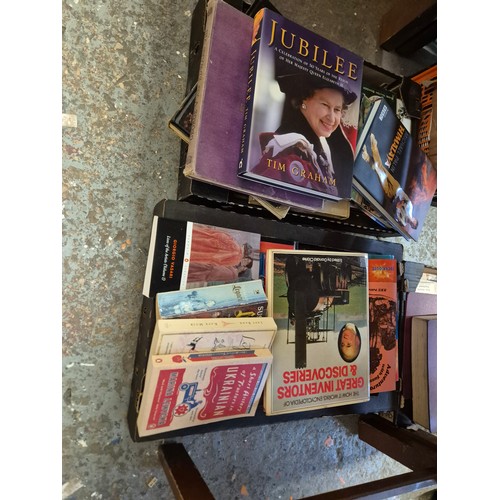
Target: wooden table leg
183, 476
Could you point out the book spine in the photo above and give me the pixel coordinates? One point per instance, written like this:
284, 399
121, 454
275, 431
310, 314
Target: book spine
245, 298
253, 310
250, 95
201, 87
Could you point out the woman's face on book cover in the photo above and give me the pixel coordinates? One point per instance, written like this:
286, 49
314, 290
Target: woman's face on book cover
323, 111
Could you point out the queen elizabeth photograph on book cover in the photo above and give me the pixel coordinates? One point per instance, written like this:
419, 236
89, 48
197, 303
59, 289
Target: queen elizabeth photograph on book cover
302, 110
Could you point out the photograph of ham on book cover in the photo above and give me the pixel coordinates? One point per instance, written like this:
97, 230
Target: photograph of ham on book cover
319, 300
184, 254
185, 390
302, 110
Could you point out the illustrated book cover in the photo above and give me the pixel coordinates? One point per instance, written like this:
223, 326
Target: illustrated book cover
383, 309
302, 110
184, 255
319, 300
424, 371
178, 335
415, 304
214, 147
185, 390
393, 173
244, 299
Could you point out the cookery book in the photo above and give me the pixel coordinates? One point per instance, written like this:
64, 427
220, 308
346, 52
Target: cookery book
424, 371
185, 390
392, 172
302, 110
217, 122
232, 300
319, 301
212, 334
383, 300
184, 254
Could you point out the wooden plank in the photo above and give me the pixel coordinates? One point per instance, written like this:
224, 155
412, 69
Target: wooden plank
416, 450
183, 476
383, 488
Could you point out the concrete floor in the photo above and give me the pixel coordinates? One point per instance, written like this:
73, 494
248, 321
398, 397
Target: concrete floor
124, 75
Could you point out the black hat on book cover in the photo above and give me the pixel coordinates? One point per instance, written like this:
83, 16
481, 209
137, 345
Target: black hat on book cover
300, 84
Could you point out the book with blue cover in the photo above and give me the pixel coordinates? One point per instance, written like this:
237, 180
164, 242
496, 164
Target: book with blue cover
302, 110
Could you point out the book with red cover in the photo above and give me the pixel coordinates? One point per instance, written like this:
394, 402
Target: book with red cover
214, 146
185, 390
383, 300
416, 304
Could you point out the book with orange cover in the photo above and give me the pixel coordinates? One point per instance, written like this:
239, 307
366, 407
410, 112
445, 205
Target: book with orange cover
383, 308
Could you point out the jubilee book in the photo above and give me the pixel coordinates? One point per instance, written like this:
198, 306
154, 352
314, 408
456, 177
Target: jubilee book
302, 110
184, 255
392, 172
189, 389
319, 300
179, 335
217, 120
383, 299
244, 299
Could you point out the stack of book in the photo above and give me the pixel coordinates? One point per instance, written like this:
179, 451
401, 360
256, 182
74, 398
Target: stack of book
209, 355
273, 120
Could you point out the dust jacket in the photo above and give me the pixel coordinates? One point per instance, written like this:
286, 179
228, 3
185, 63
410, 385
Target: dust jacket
302, 110
319, 301
184, 255
393, 173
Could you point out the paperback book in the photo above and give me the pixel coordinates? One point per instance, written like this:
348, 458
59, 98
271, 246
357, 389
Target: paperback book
319, 300
207, 334
383, 300
185, 390
217, 121
184, 255
393, 173
245, 299
302, 110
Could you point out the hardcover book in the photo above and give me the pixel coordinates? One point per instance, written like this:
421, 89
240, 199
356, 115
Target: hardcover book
383, 309
185, 390
184, 255
245, 299
214, 146
172, 336
392, 172
302, 110
319, 300
424, 371
416, 304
